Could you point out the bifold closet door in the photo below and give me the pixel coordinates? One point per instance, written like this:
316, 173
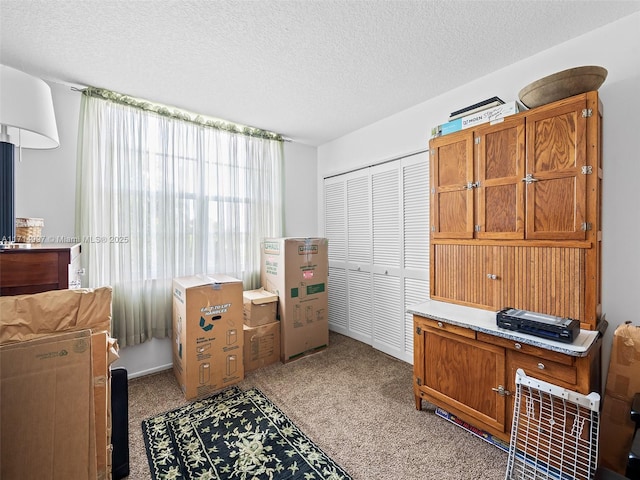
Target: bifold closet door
348, 228
376, 220
415, 240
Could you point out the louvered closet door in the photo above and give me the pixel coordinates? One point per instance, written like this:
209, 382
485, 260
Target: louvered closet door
335, 213
358, 190
415, 228
348, 229
386, 223
377, 223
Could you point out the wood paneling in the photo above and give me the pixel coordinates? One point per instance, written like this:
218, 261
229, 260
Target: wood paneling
541, 279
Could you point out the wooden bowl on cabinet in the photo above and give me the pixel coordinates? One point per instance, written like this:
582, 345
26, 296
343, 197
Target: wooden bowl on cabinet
564, 84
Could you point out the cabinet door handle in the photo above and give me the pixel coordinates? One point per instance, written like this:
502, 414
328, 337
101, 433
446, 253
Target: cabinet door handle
501, 391
517, 346
492, 276
541, 366
440, 324
529, 179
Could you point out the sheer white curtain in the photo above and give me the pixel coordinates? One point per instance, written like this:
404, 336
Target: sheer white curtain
158, 198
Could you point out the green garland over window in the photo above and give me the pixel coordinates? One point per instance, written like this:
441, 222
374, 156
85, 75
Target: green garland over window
179, 114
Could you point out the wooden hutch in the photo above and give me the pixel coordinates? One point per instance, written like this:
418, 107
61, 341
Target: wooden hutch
515, 222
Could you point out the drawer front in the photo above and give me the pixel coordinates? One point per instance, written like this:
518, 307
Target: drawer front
544, 369
447, 327
528, 349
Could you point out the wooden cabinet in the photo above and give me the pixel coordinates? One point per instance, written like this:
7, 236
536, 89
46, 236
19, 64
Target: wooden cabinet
40, 268
515, 222
451, 186
472, 374
477, 189
525, 177
556, 171
457, 371
515, 212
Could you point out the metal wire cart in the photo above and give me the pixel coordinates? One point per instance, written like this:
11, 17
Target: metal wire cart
554, 433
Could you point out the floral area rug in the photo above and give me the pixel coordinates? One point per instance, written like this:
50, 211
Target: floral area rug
237, 435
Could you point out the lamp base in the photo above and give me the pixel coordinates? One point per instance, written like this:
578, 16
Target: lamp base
7, 193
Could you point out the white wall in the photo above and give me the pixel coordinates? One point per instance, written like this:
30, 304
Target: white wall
46, 179
615, 47
300, 190
45, 187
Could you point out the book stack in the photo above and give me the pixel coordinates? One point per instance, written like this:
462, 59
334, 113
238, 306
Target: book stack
485, 111
476, 107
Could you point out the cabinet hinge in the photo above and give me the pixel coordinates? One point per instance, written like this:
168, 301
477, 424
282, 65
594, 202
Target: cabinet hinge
433, 228
432, 152
477, 228
587, 170
586, 226
433, 191
477, 140
586, 112
418, 330
419, 381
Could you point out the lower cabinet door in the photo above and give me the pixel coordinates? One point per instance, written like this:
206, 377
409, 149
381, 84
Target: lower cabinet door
466, 376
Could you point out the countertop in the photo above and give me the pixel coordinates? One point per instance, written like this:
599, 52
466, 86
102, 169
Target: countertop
485, 321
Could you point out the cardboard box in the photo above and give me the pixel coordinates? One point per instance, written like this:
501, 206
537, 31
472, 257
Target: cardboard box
261, 346
207, 333
296, 269
43, 315
623, 382
260, 307
46, 408
102, 356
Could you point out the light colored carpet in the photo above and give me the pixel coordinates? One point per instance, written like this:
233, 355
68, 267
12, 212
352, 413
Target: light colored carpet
354, 402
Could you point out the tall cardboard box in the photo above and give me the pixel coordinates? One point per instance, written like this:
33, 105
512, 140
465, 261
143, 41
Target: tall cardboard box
47, 427
207, 333
623, 382
297, 269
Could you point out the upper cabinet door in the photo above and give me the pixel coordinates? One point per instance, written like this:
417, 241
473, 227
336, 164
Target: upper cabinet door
452, 188
555, 179
500, 190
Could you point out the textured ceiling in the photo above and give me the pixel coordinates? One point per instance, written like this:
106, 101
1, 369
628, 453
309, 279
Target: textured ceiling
312, 70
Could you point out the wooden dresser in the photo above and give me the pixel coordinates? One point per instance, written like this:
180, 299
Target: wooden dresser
466, 365
515, 222
40, 268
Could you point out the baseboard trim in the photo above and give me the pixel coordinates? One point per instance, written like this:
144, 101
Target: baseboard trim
149, 371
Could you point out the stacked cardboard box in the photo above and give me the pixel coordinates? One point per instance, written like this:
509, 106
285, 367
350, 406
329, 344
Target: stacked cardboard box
207, 333
55, 353
261, 329
296, 269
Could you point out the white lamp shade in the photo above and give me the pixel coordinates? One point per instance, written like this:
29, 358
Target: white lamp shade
26, 109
